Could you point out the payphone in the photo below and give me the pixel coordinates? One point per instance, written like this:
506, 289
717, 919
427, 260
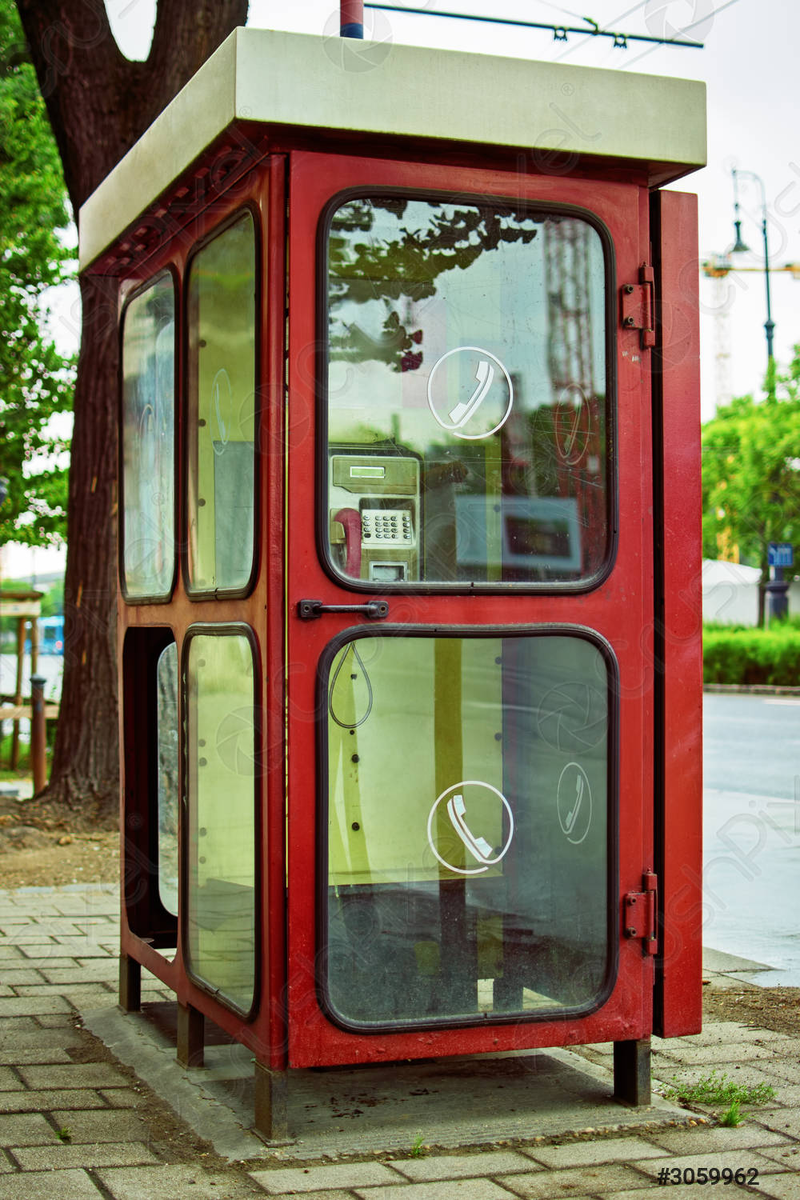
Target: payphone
375, 514
415, 657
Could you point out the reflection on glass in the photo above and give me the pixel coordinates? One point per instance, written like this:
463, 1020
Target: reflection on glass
148, 442
221, 815
221, 423
467, 828
467, 406
167, 725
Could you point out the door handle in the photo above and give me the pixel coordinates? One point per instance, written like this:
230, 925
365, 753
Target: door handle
309, 610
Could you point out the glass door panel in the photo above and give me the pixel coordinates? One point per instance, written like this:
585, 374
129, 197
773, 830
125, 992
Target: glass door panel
468, 384
220, 836
468, 838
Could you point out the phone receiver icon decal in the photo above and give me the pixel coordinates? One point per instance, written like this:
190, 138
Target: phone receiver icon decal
494, 808
462, 412
574, 803
487, 409
478, 847
572, 816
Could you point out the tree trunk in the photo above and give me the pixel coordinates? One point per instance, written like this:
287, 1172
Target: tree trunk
85, 763
99, 104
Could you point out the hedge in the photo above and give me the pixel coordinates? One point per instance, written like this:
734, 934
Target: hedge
735, 655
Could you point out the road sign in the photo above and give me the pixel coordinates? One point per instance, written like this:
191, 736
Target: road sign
780, 554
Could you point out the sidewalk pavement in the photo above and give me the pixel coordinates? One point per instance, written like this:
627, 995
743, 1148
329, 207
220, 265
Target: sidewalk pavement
78, 1122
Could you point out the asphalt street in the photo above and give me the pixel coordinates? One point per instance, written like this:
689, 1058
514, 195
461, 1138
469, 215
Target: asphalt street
751, 873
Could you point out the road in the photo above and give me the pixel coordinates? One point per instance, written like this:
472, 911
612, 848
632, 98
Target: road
751, 873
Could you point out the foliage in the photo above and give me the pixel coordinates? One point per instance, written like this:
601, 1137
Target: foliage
751, 473
732, 1116
35, 381
752, 656
719, 1089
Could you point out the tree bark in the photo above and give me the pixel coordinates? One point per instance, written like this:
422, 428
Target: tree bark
99, 104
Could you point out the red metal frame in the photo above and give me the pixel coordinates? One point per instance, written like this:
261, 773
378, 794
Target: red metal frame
620, 610
264, 190
679, 622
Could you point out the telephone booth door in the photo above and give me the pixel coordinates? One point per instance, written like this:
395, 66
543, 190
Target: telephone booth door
469, 594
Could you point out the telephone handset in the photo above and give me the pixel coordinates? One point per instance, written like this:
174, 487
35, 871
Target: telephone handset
374, 515
477, 846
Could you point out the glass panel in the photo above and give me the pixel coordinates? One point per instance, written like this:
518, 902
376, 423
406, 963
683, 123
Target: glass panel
467, 829
221, 317
148, 442
167, 723
221, 815
467, 419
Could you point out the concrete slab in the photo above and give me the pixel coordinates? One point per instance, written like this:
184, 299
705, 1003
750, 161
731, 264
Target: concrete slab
174, 1183
381, 1108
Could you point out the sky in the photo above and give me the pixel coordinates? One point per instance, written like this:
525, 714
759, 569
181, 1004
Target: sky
749, 64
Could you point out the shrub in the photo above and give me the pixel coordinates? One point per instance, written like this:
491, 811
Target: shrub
734, 655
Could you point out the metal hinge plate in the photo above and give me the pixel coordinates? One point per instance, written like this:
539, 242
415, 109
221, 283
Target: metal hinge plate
640, 913
637, 306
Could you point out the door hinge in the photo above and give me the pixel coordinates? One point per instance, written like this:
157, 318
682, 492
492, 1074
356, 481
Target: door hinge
640, 913
637, 306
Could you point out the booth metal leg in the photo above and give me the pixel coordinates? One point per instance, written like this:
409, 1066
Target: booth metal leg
632, 1072
130, 983
191, 1036
271, 1103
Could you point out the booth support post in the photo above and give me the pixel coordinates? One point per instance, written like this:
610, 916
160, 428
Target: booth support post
271, 1103
191, 1036
130, 983
632, 1072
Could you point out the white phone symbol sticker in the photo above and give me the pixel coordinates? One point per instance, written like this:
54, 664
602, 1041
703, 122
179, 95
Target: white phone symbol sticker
478, 847
576, 808
462, 412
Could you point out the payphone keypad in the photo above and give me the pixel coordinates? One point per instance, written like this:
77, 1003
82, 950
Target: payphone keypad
387, 526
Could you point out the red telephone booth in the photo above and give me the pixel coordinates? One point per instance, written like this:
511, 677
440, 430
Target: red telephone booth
409, 556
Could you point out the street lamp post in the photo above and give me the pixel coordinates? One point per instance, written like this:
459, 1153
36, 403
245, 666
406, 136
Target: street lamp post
740, 247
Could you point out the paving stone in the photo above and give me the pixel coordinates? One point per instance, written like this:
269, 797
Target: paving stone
779, 1187
100, 1125
451, 1189
39, 964
39, 1185
61, 1157
578, 1154
788, 1071
28, 935
687, 1141
782, 1120
78, 1075
5, 1164
122, 1098
787, 1155
74, 948
721, 1159
46, 1101
314, 1179
10, 953
691, 1191
724, 1058
12, 1027
95, 970
179, 1182
90, 998
9, 1082
14, 978
58, 989
607, 1177
27, 1006
25, 1129
45, 1041
461, 1166
5, 990
65, 1020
